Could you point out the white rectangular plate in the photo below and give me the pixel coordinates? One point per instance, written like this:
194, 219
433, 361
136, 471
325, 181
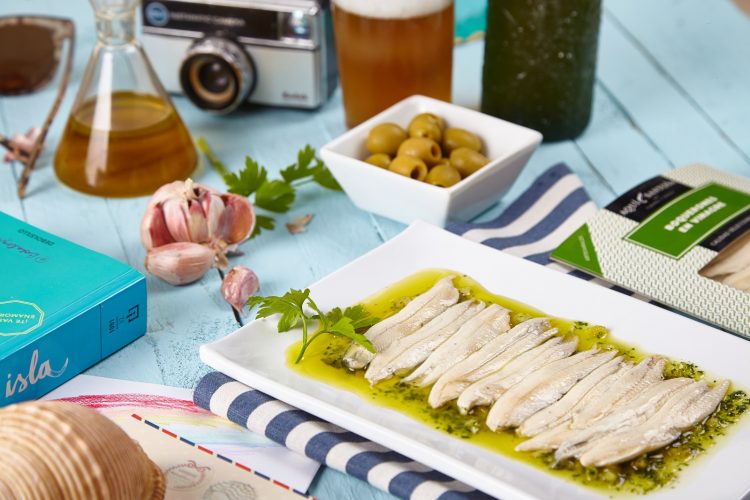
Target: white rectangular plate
254, 355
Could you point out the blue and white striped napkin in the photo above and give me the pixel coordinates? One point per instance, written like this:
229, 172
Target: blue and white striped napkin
531, 227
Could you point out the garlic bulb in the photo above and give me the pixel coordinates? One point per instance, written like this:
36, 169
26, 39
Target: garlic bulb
191, 212
188, 228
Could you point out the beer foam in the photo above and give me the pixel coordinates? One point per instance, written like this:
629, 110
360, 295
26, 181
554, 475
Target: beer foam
392, 9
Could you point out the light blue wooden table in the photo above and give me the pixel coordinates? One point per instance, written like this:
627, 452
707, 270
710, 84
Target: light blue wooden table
673, 87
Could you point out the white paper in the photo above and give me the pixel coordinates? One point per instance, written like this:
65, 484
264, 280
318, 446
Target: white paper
173, 409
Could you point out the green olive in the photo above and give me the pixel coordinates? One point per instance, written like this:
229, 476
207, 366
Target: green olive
454, 138
443, 176
385, 138
467, 161
425, 128
426, 150
432, 117
409, 166
426, 125
381, 160
442, 161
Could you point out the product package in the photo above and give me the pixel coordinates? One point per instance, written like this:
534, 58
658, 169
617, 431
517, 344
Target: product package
682, 239
62, 309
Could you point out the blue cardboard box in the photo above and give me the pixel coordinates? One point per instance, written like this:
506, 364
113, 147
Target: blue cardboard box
62, 309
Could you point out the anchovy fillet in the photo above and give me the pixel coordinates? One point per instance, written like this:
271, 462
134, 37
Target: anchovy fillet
734, 259
560, 411
689, 406
487, 390
479, 330
628, 415
416, 313
739, 280
543, 388
554, 437
490, 358
628, 385
411, 350
547, 440
556, 387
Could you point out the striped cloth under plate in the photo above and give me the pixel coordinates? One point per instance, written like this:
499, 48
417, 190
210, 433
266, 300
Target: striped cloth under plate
531, 227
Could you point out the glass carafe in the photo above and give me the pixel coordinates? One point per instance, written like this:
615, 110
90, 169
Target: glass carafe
124, 136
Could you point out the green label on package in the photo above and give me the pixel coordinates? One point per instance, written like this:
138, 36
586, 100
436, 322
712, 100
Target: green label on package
578, 250
682, 223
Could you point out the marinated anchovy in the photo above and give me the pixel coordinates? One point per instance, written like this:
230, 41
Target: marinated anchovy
489, 359
479, 330
628, 415
554, 437
739, 280
732, 266
487, 390
411, 350
547, 440
554, 388
627, 386
416, 313
560, 411
543, 388
689, 406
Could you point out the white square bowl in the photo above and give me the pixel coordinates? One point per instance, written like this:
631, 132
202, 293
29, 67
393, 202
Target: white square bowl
507, 145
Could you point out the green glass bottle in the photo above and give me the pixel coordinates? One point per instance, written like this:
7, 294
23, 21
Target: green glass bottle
539, 63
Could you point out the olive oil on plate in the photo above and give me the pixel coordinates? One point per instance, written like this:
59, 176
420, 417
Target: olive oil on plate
322, 361
128, 146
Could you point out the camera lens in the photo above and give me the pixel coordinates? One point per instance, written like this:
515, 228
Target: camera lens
217, 74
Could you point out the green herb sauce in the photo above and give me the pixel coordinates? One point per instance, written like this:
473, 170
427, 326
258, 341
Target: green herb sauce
641, 475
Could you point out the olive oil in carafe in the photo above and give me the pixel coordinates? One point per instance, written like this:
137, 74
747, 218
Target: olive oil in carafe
129, 146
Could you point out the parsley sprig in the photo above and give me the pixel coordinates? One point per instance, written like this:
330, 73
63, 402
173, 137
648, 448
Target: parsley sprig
271, 195
349, 322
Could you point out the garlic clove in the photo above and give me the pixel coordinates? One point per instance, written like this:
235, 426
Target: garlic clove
174, 189
176, 217
154, 231
179, 263
213, 207
238, 220
197, 224
238, 285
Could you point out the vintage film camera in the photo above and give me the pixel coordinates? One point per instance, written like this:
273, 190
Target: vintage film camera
221, 53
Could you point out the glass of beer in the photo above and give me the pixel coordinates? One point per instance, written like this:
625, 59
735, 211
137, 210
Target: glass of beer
391, 49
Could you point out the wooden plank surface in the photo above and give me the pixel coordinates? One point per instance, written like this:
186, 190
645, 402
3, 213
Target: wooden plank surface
702, 49
672, 88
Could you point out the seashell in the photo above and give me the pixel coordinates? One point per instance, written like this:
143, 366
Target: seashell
59, 450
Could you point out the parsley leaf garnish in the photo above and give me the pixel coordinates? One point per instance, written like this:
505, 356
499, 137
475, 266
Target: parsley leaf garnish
301, 169
350, 322
262, 222
248, 181
273, 195
357, 314
345, 328
289, 306
325, 178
